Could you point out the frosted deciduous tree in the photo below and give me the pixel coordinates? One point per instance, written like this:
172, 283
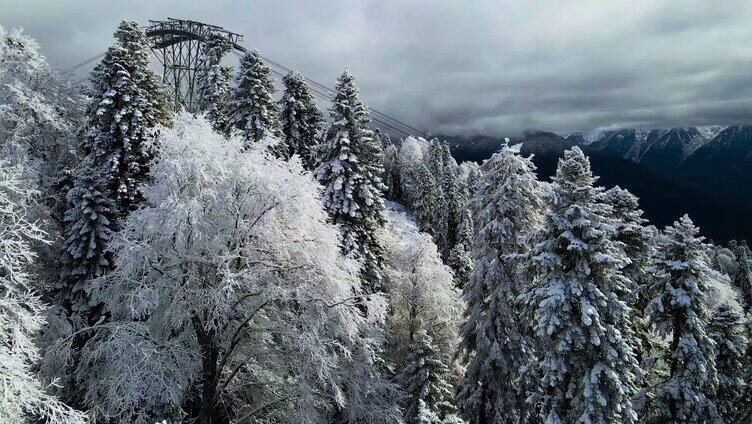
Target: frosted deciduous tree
421, 326
213, 82
495, 345
727, 331
350, 172
230, 299
300, 119
38, 111
589, 366
22, 396
678, 310
253, 111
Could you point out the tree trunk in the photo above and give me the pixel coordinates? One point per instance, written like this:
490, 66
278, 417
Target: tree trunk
209, 378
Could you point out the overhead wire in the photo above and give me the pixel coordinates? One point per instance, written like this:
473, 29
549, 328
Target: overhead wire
319, 89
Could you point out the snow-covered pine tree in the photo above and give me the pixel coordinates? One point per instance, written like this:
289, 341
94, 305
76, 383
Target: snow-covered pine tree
350, 172
426, 201
392, 174
637, 241
253, 111
127, 105
300, 119
426, 380
461, 232
461, 262
727, 331
678, 310
495, 346
22, 397
589, 367
742, 278
213, 82
89, 222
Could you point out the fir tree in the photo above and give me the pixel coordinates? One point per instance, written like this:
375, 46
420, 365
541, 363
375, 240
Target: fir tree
127, 105
637, 242
392, 174
89, 222
727, 331
253, 111
742, 278
300, 119
350, 171
678, 310
426, 203
425, 380
495, 345
461, 262
589, 367
214, 82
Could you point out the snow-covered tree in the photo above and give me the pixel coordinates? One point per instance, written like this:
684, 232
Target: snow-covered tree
300, 119
230, 299
727, 331
253, 111
426, 200
392, 174
350, 171
742, 276
22, 396
637, 241
88, 229
213, 82
38, 111
424, 309
678, 310
495, 345
589, 366
39, 115
462, 232
425, 380
461, 262
127, 105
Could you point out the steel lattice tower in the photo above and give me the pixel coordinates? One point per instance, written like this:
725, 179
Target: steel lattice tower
177, 44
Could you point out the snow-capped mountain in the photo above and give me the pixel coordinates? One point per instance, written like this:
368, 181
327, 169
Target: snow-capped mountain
655, 148
703, 171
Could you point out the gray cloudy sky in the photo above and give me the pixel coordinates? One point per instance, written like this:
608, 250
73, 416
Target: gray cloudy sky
452, 66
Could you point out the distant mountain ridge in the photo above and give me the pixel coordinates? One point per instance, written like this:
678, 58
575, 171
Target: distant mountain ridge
703, 171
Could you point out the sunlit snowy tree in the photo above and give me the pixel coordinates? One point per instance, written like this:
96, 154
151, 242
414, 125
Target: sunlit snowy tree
22, 396
424, 310
230, 298
589, 366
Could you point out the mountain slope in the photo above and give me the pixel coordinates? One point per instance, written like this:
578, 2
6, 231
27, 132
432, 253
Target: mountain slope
670, 187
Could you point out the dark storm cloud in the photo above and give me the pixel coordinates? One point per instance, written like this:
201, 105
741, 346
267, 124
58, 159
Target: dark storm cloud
492, 67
